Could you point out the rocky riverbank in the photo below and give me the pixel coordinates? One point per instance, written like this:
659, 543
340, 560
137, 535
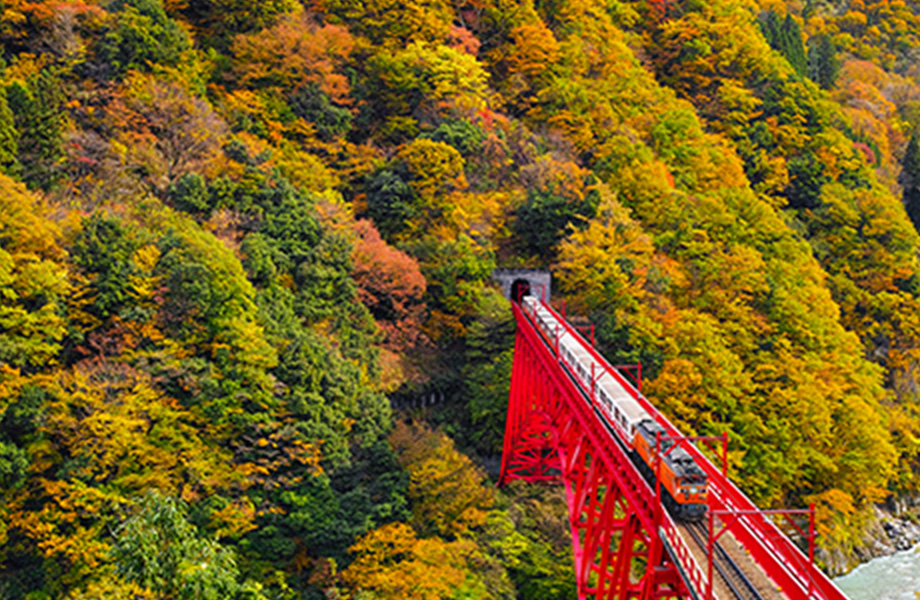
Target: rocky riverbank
896, 527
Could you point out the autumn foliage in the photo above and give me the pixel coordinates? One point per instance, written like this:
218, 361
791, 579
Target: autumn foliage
243, 244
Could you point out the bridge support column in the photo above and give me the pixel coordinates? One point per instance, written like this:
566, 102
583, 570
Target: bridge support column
529, 448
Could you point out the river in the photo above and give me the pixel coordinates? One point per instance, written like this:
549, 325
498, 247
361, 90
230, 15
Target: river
895, 577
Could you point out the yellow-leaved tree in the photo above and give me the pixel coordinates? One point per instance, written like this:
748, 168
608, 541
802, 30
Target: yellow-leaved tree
395, 564
448, 492
33, 281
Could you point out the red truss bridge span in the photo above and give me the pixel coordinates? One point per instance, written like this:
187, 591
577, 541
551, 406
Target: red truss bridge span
575, 419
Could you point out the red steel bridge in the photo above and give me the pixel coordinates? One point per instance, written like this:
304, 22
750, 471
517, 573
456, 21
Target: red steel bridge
626, 545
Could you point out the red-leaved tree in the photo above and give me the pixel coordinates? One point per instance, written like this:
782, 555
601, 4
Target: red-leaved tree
390, 285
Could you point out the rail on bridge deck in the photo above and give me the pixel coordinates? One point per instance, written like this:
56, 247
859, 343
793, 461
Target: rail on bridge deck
625, 544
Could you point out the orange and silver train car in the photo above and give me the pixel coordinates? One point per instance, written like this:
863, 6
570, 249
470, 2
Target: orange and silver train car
684, 482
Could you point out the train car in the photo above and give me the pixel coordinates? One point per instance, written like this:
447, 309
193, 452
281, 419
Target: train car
623, 413
579, 360
684, 482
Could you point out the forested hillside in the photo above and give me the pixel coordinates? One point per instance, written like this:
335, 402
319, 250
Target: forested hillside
234, 234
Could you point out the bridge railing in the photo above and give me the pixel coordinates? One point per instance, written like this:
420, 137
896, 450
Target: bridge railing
777, 555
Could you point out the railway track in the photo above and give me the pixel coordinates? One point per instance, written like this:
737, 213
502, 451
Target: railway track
735, 580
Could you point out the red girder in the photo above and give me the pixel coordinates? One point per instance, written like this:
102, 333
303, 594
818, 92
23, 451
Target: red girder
553, 434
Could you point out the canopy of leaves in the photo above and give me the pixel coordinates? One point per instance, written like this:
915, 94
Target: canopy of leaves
160, 550
140, 37
255, 228
33, 281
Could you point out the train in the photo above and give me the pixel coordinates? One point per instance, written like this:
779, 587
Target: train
684, 482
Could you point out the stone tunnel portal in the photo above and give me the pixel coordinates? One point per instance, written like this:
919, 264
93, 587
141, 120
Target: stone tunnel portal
517, 283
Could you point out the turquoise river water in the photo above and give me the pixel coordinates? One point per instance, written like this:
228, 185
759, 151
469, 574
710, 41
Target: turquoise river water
895, 577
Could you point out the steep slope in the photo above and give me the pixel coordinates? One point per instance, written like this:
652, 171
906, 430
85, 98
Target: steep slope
241, 230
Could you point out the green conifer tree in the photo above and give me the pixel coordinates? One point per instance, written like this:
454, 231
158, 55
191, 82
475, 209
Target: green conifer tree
822, 61
9, 139
791, 45
769, 25
36, 108
786, 38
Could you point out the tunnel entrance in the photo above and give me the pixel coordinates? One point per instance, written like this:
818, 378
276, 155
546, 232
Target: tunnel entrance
519, 289
517, 283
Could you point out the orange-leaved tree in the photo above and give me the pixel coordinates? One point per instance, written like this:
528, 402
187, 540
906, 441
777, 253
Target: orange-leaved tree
294, 53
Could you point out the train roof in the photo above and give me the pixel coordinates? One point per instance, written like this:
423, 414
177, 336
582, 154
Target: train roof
679, 459
619, 395
684, 465
614, 388
578, 349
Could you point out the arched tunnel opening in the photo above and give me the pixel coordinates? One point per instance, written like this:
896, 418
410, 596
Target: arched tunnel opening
519, 289
517, 283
